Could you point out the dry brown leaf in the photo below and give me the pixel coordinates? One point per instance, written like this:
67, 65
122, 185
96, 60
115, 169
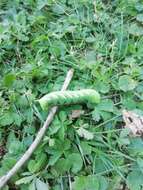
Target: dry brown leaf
76, 114
134, 122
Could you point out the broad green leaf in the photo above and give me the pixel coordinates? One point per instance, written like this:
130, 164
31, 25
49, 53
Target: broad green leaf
41, 4
73, 162
17, 119
136, 146
58, 9
11, 137
103, 183
40, 185
31, 165
106, 115
102, 86
79, 183
25, 180
6, 119
22, 101
86, 148
39, 163
62, 116
28, 114
54, 158
136, 29
139, 7
16, 147
9, 80
92, 183
126, 83
57, 48
86, 183
124, 141
129, 102
32, 186
96, 115
56, 125
140, 163
106, 105
76, 162
100, 166
139, 18
61, 133
135, 180
8, 162
62, 166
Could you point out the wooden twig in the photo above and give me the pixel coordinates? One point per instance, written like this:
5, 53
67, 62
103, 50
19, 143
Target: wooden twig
4, 179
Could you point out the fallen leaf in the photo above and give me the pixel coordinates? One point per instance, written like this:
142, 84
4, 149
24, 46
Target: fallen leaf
134, 122
76, 114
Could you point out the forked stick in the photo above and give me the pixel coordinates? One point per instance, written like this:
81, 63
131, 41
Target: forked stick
4, 179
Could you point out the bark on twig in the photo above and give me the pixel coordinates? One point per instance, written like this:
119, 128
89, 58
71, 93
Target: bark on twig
4, 179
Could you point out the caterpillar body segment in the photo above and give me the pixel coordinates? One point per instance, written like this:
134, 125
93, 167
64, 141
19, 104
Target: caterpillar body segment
69, 97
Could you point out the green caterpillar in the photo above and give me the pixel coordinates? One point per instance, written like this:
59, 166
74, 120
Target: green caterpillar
69, 97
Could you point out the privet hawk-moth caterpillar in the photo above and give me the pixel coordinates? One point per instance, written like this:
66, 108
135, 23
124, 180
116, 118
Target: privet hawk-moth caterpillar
69, 97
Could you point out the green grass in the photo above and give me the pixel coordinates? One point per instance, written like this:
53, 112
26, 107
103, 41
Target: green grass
102, 40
